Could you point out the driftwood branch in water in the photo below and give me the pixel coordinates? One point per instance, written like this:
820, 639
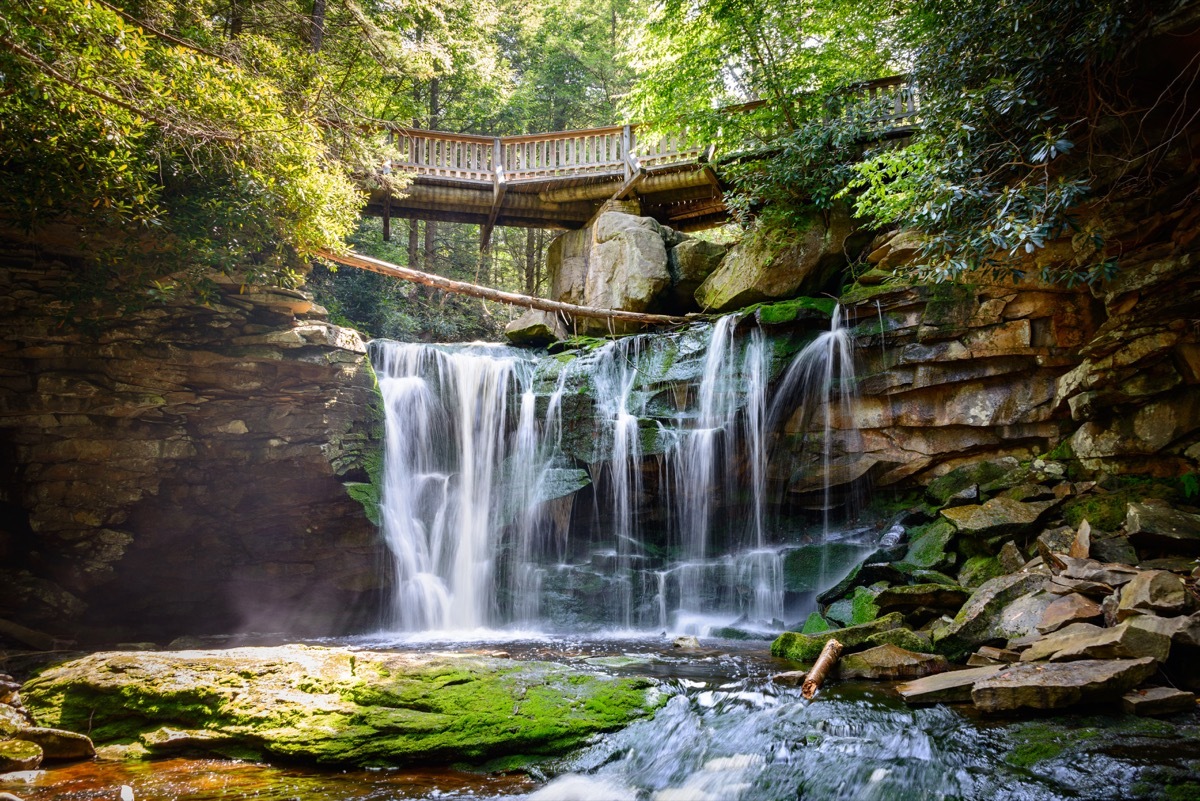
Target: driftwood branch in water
820, 669
498, 295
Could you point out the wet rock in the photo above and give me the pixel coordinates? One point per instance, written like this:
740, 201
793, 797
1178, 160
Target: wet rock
807, 647
1057, 686
1112, 574
969, 495
978, 569
999, 517
1155, 701
1152, 591
978, 621
340, 707
889, 662
927, 546
953, 687
536, 327
686, 641
1163, 527
18, 755
903, 638
58, 744
1073, 608
1004, 655
1126, 641
937, 596
790, 678
1010, 557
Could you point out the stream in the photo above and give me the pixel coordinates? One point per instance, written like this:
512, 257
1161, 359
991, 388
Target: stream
728, 733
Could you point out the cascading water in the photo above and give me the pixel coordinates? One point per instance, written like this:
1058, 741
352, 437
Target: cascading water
479, 503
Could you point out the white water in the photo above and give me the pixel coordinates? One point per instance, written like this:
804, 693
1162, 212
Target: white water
472, 449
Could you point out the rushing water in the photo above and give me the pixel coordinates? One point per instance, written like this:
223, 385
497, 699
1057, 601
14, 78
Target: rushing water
727, 733
481, 505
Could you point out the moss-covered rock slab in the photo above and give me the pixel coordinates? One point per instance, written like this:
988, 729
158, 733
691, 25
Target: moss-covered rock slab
807, 647
336, 706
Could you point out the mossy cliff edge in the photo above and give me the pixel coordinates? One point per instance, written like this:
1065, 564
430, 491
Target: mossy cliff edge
335, 706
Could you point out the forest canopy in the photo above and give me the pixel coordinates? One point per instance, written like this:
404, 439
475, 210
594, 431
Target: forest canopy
179, 137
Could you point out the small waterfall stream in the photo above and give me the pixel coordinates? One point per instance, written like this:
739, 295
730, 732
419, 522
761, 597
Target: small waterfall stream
499, 512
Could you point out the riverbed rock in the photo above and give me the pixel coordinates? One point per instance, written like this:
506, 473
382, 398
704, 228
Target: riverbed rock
1152, 591
937, 596
58, 744
1155, 701
338, 706
18, 755
1073, 608
1163, 527
979, 621
1126, 641
889, 663
997, 518
953, 687
1056, 686
807, 647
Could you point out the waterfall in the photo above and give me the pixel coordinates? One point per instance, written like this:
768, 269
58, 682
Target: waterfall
479, 484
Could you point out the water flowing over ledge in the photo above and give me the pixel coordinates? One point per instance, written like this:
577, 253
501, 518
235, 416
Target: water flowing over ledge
633, 485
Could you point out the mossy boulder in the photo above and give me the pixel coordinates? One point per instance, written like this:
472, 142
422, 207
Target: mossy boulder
903, 638
807, 647
927, 546
810, 568
815, 624
19, 755
857, 609
978, 569
943, 488
336, 706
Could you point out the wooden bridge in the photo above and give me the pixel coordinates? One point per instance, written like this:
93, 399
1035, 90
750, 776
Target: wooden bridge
559, 180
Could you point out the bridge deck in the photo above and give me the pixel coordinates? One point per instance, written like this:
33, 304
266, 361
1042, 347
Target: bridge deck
559, 180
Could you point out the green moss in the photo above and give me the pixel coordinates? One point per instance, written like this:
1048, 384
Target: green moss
862, 605
1106, 511
857, 293
806, 567
788, 310
902, 638
807, 647
979, 569
927, 546
943, 488
1037, 742
815, 624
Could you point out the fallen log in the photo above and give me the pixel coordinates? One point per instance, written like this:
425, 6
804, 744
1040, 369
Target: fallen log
820, 669
498, 295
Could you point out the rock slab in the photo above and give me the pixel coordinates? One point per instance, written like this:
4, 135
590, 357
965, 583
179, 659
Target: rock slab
336, 706
1056, 686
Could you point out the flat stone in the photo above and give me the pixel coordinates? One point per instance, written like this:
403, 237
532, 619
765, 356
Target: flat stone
58, 744
952, 687
889, 663
1163, 527
999, 517
1125, 641
1175, 564
1110, 573
1187, 630
1073, 608
1113, 548
999, 654
1061, 585
1057, 540
790, 678
18, 755
337, 706
807, 647
938, 596
1056, 686
1154, 701
1152, 591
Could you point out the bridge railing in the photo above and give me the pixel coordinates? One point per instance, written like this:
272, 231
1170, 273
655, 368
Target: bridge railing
614, 150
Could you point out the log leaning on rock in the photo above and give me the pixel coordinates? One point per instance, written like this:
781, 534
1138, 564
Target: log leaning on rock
497, 295
820, 669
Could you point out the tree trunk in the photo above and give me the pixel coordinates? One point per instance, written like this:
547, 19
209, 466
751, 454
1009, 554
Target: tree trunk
317, 32
414, 244
820, 669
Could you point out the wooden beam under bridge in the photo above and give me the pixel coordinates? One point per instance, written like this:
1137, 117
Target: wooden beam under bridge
498, 295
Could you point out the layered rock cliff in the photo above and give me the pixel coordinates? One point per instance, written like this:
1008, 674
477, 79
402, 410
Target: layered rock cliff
186, 468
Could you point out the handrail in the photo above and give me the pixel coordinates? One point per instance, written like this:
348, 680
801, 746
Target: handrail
610, 150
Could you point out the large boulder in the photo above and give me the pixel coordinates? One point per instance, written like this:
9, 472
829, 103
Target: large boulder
1055, 686
889, 662
690, 262
335, 706
953, 687
776, 263
536, 327
981, 618
997, 518
1084, 641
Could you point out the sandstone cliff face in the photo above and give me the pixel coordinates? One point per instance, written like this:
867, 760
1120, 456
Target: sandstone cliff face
183, 468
